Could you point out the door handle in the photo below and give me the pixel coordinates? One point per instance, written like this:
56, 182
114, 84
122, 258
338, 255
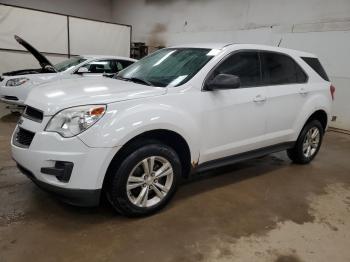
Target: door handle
259, 98
303, 91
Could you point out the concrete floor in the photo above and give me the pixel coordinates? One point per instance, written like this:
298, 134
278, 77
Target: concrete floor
265, 209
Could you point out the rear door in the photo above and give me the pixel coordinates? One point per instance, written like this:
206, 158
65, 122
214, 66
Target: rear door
287, 91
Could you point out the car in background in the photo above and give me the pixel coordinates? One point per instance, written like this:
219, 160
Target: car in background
16, 85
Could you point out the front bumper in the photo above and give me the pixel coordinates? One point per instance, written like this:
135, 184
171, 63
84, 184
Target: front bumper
47, 149
14, 95
77, 197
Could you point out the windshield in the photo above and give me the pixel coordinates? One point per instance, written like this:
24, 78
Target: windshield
69, 63
167, 67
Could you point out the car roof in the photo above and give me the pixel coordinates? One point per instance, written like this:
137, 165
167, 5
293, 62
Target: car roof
246, 46
212, 45
108, 57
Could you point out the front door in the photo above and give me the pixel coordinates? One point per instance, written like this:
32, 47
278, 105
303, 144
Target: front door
234, 120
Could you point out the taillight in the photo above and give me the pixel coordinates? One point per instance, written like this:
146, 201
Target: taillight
332, 90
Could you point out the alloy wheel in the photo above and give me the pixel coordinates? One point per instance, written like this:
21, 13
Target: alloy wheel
149, 181
311, 142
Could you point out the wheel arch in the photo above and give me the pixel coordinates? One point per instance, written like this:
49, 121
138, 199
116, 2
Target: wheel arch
168, 137
316, 107
321, 116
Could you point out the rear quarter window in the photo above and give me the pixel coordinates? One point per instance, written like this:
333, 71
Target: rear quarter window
315, 64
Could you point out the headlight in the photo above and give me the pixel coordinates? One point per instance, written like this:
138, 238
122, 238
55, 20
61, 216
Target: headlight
17, 81
73, 121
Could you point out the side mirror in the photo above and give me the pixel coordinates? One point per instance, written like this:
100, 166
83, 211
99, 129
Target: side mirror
223, 81
49, 69
82, 70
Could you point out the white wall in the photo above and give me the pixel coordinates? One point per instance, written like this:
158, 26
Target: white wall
93, 9
316, 26
48, 32
182, 18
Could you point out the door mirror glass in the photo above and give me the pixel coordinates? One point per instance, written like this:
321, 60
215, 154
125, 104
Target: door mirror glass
223, 81
82, 70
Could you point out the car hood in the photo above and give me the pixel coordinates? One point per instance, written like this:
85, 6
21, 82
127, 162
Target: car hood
43, 61
22, 72
57, 95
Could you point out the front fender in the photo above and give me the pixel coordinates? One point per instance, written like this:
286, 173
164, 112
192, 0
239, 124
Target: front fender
126, 120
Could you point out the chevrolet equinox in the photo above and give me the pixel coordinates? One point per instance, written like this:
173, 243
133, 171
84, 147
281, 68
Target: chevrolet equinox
177, 111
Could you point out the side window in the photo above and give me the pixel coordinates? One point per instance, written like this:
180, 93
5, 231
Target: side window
245, 65
100, 66
125, 63
120, 65
315, 64
279, 69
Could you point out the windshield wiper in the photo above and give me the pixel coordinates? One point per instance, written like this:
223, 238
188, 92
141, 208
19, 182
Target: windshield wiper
121, 78
139, 80
135, 80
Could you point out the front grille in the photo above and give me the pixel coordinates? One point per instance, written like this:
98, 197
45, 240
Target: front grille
23, 138
33, 114
13, 98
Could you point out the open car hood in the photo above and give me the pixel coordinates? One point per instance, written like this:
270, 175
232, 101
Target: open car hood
43, 61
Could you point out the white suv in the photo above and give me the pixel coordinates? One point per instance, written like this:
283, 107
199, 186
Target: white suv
178, 111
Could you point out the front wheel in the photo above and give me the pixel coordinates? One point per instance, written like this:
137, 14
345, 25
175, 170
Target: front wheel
308, 143
145, 181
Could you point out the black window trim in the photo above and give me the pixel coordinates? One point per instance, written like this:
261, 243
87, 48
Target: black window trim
258, 51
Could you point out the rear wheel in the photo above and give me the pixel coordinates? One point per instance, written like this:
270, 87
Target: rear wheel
308, 143
145, 181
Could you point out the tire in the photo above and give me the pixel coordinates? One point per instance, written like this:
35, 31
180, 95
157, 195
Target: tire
131, 179
305, 149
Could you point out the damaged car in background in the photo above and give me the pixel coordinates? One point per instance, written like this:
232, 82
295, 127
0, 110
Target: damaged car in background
16, 85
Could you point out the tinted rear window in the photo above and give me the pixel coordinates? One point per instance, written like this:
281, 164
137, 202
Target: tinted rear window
280, 69
316, 65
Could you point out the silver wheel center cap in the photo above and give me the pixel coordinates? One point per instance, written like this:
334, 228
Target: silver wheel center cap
149, 180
